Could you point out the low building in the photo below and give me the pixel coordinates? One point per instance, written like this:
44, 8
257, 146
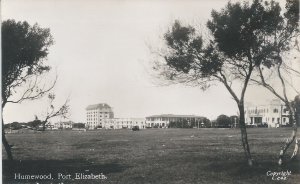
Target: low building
124, 123
274, 114
49, 126
164, 120
63, 125
96, 114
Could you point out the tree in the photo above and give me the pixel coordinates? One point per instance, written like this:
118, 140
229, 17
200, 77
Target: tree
224, 121
275, 64
15, 126
35, 123
206, 122
228, 55
24, 50
179, 124
52, 112
78, 125
7, 126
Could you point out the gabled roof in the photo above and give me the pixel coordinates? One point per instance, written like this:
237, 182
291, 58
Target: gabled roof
98, 106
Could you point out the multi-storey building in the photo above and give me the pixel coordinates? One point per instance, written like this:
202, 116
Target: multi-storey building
125, 123
274, 114
164, 120
96, 114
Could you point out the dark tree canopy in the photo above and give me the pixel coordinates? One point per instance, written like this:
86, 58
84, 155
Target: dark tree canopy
15, 126
35, 123
78, 125
206, 122
243, 36
188, 52
24, 48
224, 121
239, 29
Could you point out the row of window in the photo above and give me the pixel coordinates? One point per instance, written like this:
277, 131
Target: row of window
96, 112
92, 123
93, 119
89, 116
255, 111
278, 119
172, 119
125, 122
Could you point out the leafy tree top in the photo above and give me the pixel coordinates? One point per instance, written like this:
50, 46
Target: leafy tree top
24, 48
243, 36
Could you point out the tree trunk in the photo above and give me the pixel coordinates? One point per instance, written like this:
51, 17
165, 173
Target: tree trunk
297, 117
295, 152
244, 135
290, 140
44, 125
5, 144
295, 113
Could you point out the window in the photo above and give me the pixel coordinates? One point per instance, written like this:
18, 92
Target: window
275, 110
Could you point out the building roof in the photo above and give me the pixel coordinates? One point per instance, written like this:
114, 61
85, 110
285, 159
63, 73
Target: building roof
65, 122
98, 106
174, 116
127, 119
274, 102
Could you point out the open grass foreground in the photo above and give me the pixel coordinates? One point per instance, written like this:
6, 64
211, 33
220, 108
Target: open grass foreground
148, 156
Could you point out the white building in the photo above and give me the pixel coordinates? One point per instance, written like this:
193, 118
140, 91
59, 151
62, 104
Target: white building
63, 125
274, 114
127, 123
96, 114
163, 121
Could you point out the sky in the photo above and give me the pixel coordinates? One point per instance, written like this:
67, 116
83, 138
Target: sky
101, 55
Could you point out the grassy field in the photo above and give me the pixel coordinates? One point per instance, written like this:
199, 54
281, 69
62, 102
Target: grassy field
149, 156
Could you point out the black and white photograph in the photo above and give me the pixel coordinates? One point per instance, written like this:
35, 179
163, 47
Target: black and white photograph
150, 91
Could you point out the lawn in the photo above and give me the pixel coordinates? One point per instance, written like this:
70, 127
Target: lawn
149, 156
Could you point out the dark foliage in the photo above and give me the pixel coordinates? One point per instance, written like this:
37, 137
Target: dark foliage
35, 123
180, 124
15, 126
224, 121
24, 48
78, 125
188, 52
